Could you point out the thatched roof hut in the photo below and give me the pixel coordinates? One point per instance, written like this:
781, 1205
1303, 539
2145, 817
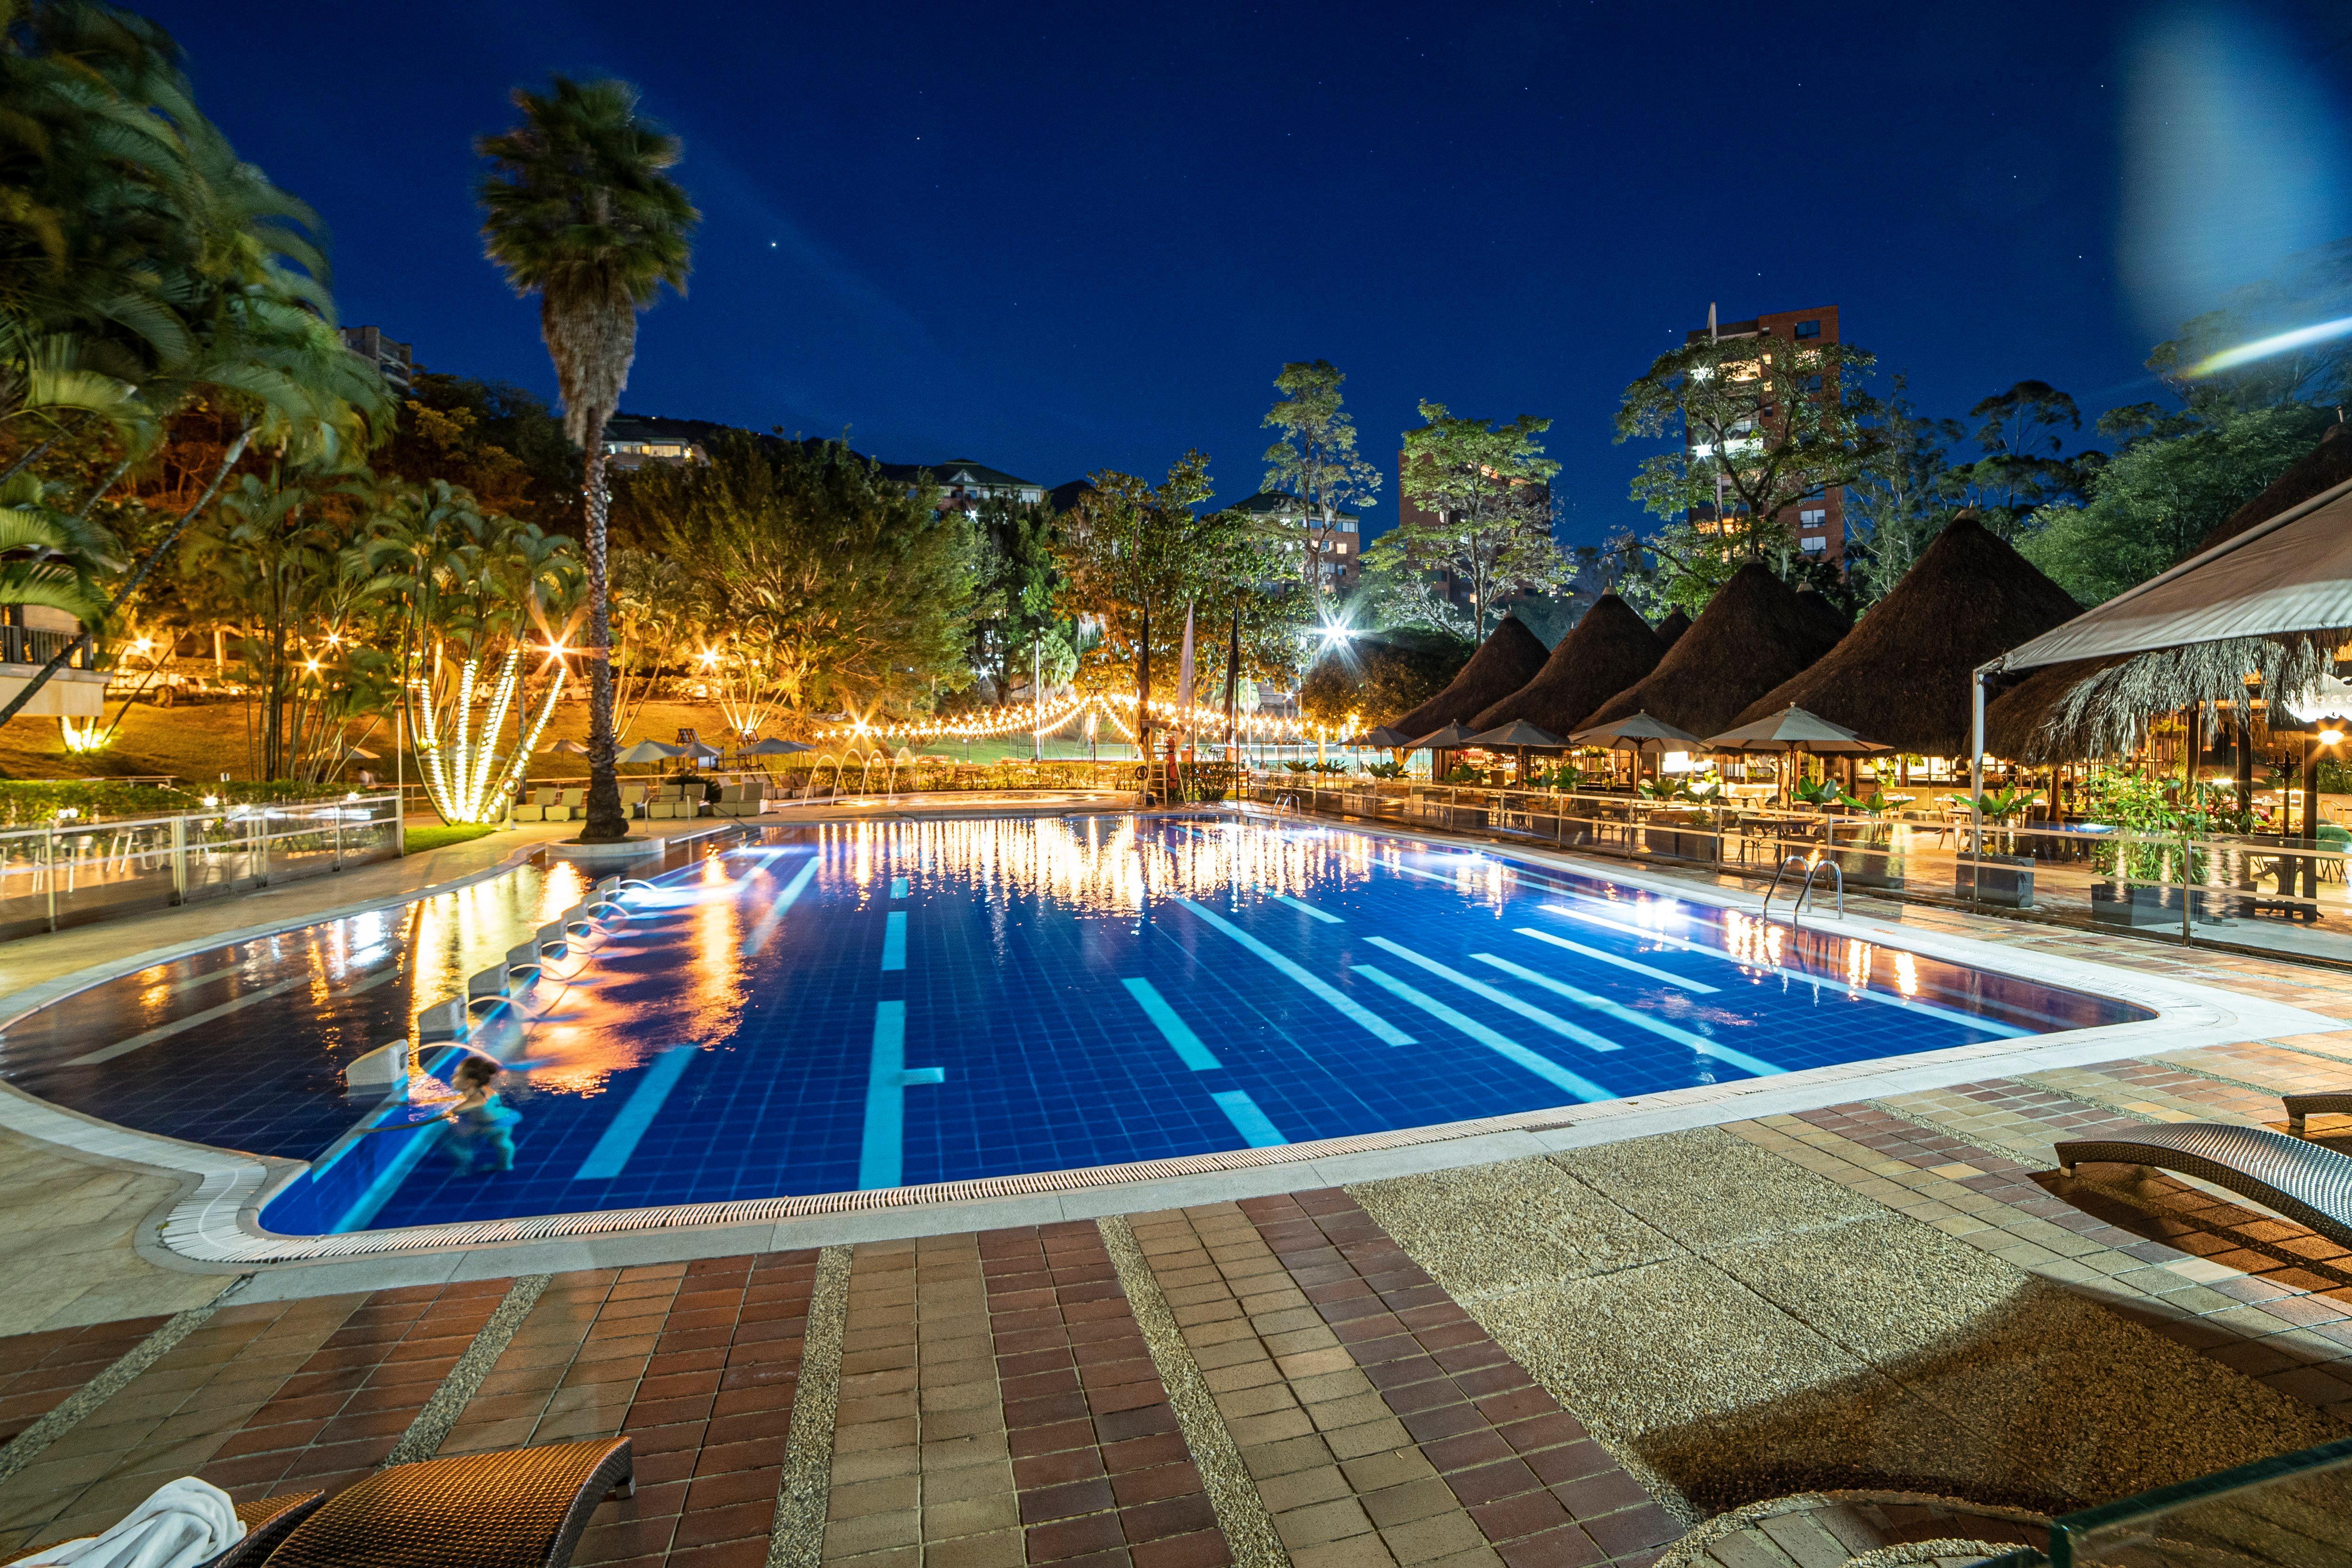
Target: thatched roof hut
2025, 724
1753, 635
1902, 675
1607, 651
1672, 626
1834, 623
1506, 660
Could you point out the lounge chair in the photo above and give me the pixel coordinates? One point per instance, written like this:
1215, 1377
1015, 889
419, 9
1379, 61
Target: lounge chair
523, 1508
267, 1521
2302, 1181
2300, 1107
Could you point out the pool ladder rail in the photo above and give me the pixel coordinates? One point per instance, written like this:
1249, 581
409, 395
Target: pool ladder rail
1808, 864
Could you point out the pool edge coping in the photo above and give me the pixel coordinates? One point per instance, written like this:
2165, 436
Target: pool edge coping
210, 1225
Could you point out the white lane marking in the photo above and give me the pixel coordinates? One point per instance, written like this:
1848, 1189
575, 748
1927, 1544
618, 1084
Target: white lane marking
1624, 1015
1379, 1029
621, 1135
1328, 918
1544, 1067
1504, 999
776, 911
1700, 986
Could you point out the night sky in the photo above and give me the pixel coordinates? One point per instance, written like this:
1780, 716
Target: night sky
1055, 239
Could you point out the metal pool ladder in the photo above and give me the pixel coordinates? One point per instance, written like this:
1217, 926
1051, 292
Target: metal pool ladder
1809, 866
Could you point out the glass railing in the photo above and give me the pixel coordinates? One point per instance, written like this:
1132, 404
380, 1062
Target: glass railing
70, 873
2270, 894
2293, 1511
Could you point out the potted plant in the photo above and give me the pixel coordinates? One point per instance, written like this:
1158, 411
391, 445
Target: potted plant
1674, 834
1866, 857
1997, 874
2154, 862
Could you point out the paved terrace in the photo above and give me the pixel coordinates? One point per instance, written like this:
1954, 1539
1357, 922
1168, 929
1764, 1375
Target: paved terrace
1569, 1359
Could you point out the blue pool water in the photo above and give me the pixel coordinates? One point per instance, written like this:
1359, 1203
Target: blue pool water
830, 1006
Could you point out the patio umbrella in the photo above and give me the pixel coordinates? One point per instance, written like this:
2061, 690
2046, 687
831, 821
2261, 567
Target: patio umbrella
774, 748
1388, 739
568, 746
358, 754
1437, 743
1638, 732
650, 751
1521, 737
1793, 729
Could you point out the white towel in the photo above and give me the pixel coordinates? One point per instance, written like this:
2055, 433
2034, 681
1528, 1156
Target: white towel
181, 1524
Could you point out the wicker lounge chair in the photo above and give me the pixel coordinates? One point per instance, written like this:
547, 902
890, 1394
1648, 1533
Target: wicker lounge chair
267, 1521
524, 1508
2300, 1107
2302, 1181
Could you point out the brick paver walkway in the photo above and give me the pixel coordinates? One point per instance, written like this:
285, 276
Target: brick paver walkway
1006, 1399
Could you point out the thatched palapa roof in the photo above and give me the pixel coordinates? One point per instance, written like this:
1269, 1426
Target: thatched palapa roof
1753, 635
1833, 622
2022, 723
1902, 675
1673, 627
1506, 660
1607, 651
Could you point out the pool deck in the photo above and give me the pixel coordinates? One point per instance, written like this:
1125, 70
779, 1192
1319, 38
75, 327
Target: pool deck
1556, 1347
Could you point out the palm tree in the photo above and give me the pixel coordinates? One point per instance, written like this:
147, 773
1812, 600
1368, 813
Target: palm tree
144, 265
579, 212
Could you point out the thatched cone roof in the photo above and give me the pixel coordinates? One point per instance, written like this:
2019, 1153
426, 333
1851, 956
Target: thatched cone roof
2022, 723
1835, 623
1902, 676
1506, 660
1753, 635
2323, 468
1607, 651
1673, 627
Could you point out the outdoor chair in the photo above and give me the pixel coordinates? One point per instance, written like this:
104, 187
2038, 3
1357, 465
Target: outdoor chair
2301, 1107
267, 1521
2307, 1184
521, 1508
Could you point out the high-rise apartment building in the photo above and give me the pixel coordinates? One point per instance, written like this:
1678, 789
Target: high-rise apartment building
1818, 521
397, 360
1338, 549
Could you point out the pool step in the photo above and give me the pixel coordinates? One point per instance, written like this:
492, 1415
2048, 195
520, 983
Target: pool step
386, 1067
572, 930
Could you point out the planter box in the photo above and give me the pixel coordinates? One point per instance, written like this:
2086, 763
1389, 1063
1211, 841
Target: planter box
2145, 907
2006, 881
1870, 869
1678, 844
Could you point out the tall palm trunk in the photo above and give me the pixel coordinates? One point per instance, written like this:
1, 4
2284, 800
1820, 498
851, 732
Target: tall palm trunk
607, 823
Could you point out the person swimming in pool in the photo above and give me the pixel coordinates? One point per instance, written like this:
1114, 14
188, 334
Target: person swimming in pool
479, 1121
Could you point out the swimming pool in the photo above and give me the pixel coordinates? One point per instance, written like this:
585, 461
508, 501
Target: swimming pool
831, 1006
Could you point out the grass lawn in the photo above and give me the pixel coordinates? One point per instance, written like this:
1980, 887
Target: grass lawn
198, 742
441, 835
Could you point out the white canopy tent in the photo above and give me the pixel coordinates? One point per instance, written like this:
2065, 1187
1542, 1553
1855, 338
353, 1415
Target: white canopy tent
2291, 572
